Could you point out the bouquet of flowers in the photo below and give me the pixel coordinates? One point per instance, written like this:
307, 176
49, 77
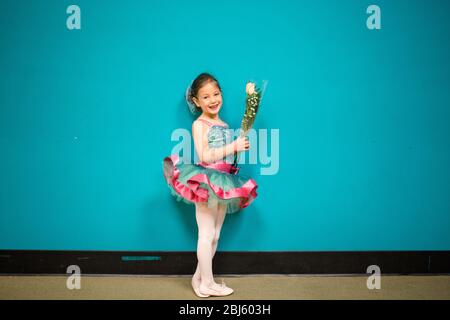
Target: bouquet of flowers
253, 101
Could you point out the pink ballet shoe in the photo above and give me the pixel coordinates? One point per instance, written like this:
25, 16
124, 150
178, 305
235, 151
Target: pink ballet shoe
197, 291
216, 291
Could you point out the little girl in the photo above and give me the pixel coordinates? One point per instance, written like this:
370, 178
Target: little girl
213, 184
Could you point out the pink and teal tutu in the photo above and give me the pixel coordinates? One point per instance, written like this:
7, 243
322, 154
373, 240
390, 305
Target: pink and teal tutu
216, 182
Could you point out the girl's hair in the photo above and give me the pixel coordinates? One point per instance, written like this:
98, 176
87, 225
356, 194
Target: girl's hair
198, 83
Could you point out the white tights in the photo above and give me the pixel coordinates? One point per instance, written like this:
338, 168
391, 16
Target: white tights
209, 221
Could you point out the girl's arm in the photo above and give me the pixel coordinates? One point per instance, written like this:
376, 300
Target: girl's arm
207, 154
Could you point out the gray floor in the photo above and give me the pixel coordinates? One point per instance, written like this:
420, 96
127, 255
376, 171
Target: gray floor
246, 287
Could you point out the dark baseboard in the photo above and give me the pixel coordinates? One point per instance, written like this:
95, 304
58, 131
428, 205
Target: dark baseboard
228, 262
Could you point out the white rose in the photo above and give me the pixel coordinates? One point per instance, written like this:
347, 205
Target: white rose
250, 88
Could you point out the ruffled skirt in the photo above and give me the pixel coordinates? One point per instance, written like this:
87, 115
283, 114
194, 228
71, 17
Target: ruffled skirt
210, 183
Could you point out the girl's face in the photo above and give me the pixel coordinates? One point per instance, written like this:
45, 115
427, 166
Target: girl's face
209, 99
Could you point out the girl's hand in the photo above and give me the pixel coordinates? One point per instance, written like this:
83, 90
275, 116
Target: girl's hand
241, 144
250, 88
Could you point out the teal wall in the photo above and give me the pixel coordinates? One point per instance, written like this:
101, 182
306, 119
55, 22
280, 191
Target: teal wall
86, 118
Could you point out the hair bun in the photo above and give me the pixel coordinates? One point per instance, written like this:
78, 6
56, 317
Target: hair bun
188, 96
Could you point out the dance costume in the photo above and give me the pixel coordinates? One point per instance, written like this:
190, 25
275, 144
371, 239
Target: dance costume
207, 182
